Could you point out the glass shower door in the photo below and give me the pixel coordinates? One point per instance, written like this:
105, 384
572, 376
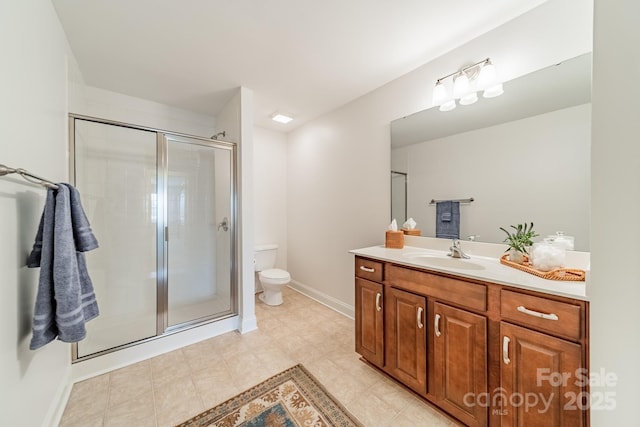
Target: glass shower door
199, 185
115, 171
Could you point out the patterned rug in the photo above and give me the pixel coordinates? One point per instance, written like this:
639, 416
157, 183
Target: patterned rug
292, 398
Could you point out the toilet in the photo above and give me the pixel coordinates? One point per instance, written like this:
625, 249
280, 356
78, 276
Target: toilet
272, 279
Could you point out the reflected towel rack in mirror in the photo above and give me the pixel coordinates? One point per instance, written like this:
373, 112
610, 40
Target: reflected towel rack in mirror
469, 200
35, 179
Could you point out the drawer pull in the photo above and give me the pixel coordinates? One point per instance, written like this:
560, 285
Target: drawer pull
436, 325
505, 350
550, 316
378, 306
419, 318
367, 269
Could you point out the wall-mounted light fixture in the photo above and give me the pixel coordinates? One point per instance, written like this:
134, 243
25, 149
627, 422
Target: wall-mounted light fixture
466, 83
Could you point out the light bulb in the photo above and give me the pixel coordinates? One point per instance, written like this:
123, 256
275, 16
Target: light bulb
439, 93
488, 76
493, 91
469, 99
448, 106
460, 85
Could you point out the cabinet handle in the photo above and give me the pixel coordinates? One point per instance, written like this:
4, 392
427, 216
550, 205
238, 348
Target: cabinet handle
367, 269
419, 318
505, 350
436, 325
378, 296
525, 310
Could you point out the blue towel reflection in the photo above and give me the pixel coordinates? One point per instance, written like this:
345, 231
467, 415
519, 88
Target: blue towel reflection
448, 219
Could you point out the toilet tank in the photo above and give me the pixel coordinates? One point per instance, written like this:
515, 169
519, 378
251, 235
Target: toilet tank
265, 256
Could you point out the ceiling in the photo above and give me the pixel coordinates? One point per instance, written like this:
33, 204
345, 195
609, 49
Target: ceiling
300, 57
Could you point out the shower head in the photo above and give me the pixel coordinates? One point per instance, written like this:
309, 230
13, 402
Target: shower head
219, 134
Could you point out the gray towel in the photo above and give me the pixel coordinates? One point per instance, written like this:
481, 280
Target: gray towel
82, 234
65, 299
448, 219
44, 328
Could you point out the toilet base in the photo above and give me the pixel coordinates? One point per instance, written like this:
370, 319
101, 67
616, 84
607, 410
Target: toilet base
271, 297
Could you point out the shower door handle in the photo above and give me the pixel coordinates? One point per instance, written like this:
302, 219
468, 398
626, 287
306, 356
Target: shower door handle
224, 224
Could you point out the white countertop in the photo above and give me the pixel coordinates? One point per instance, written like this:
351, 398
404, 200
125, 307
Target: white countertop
485, 268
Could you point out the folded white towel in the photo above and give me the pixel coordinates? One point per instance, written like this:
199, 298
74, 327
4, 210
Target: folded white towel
409, 224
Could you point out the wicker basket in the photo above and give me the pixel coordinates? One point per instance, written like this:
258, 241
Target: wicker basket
394, 239
414, 232
565, 274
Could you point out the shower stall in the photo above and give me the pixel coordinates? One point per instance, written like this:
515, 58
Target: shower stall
163, 207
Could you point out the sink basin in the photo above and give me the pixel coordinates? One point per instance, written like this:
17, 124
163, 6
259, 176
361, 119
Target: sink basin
443, 261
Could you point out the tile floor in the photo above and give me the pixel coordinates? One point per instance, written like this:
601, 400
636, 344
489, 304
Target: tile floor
173, 387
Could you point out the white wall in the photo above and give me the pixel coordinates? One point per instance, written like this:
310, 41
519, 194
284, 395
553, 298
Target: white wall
338, 165
615, 211
246, 226
228, 119
236, 120
270, 190
540, 158
338, 198
104, 104
33, 109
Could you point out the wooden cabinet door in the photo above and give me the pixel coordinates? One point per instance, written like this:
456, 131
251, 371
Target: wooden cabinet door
370, 321
460, 363
541, 379
405, 338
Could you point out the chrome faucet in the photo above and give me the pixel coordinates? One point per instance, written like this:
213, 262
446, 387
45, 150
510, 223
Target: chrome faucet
456, 250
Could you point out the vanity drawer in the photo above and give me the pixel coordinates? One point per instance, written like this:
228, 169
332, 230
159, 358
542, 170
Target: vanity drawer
552, 316
369, 269
460, 292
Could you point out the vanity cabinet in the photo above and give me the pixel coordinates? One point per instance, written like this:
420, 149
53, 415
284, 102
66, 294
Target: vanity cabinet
405, 338
542, 362
369, 312
369, 321
485, 353
538, 377
460, 362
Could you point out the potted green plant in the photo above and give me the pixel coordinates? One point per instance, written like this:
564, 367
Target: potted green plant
519, 241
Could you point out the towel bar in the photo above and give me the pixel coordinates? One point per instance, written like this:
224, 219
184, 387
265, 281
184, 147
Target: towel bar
5, 170
469, 200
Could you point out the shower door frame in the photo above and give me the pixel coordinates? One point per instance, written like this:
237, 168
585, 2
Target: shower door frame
162, 286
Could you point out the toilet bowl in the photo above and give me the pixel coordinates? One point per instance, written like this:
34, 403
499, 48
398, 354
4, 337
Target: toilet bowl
271, 279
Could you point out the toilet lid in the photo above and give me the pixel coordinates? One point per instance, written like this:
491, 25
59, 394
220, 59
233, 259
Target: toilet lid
275, 273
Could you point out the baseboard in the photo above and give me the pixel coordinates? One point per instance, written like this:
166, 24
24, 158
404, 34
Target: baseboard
59, 403
324, 299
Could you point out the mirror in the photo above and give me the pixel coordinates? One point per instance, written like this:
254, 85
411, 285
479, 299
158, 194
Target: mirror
522, 157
